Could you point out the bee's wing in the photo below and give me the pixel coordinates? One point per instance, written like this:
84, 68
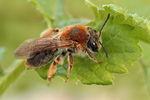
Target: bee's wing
31, 47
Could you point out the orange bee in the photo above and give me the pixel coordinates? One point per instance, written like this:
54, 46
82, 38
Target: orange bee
72, 40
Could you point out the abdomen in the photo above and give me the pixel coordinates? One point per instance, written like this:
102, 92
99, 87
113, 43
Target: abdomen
42, 58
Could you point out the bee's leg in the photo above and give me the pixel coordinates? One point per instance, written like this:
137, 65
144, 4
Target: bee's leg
53, 66
27, 64
70, 61
91, 56
48, 32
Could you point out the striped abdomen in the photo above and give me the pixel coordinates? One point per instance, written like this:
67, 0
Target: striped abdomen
42, 58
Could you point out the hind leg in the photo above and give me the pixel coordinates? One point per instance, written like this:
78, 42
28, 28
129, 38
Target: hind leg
53, 66
27, 64
48, 32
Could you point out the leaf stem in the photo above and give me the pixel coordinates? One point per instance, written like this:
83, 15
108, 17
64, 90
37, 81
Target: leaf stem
1, 70
146, 70
14, 71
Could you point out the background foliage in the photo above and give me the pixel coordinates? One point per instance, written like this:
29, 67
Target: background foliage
20, 19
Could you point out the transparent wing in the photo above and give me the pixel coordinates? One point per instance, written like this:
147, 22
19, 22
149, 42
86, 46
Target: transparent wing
31, 47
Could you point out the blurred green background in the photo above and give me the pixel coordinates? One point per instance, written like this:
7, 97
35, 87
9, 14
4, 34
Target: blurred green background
19, 21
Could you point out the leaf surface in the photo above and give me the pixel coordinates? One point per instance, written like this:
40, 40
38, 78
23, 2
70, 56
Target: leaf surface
120, 37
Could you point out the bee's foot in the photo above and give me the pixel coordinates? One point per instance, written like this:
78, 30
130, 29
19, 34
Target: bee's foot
66, 79
100, 62
49, 79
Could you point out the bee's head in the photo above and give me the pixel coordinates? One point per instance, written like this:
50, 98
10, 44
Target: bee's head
94, 42
94, 39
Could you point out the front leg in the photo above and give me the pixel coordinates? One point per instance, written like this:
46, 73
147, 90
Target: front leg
70, 61
91, 56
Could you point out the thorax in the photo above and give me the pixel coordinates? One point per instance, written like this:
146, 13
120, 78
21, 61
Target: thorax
76, 33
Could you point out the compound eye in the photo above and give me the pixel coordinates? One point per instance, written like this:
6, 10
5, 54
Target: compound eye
94, 47
93, 44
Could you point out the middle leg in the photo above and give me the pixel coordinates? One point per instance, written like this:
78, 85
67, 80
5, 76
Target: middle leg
70, 61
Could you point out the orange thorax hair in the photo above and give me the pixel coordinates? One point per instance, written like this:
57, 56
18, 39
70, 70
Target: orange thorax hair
75, 33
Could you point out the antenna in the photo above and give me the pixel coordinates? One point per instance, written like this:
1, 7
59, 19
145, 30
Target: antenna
104, 25
101, 32
104, 49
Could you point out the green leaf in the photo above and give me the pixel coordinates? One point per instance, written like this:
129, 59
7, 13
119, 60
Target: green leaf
53, 11
120, 37
47, 8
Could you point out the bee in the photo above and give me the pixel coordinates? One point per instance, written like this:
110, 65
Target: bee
72, 40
